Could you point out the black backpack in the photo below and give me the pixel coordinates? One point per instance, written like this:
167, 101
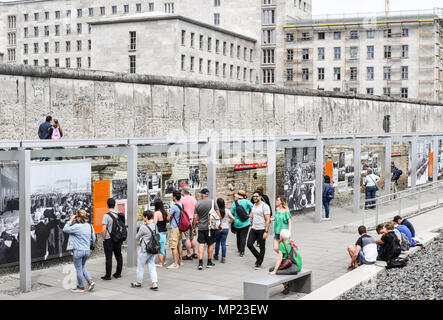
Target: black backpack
397, 263
153, 245
118, 233
241, 212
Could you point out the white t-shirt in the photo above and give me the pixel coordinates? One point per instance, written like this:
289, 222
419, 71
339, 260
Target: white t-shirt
371, 179
258, 216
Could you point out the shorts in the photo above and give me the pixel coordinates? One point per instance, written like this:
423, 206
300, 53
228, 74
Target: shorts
162, 243
174, 238
205, 238
361, 257
189, 234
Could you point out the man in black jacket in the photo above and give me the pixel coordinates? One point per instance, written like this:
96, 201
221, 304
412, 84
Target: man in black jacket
43, 132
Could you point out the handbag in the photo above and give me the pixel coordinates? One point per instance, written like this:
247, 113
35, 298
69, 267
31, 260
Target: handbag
286, 263
376, 187
92, 245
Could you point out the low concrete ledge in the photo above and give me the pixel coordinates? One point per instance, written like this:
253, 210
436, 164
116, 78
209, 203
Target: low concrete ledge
333, 290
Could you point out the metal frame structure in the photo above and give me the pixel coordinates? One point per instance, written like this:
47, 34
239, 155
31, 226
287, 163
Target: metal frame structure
24, 151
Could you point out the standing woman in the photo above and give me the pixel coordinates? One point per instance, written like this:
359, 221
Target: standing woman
328, 195
160, 219
55, 131
282, 220
81, 236
221, 236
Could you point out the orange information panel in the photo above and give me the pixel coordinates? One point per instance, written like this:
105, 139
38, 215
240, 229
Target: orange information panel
102, 192
431, 164
328, 169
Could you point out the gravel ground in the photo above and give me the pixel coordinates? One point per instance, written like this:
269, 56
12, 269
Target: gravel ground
420, 279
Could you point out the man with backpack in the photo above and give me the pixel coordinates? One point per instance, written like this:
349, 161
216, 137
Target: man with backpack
114, 233
189, 204
203, 217
241, 209
395, 175
175, 241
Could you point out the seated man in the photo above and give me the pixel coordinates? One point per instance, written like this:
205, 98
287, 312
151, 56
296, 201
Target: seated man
364, 251
389, 245
403, 229
405, 222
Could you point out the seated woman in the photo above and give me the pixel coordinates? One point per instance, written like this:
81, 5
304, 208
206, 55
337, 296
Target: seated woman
284, 250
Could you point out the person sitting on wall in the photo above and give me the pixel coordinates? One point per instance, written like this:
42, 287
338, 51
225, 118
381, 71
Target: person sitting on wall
389, 248
364, 251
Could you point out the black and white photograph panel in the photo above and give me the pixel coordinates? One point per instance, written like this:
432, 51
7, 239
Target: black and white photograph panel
120, 189
422, 167
153, 195
9, 214
300, 178
142, 182
155, 181
170, 186
58, 190
194, 177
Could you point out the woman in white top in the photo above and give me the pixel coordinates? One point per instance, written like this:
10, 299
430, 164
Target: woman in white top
370, 182
221, 236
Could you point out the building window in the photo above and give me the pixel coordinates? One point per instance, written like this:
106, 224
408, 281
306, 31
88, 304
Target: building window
217, 46
209, 66
370, 91
114, 9
79, 45
183, 37
68, 13
102, 11
268, 75
192, 39
321, 73
12, 22
91, 12
46, 47
126, 8
68, 46
387, 33
306, 36
191, 66
305, 74
57, 46
138, 7
387, 73
36, 62
231, 71
169, 7
57, 29
337, 53
268, 36
68, 62
387, 123
201, 42
238, 73
289, 37
268, 56
251, 53
26, 17
79, 28
354, 74
224, 70
289, 54
404, 93
57, 62
370, 73
132, 64
132, 40
89, 62
36, 16
321, 36
354, 34
25, 48
251, 71
216, 18
11, 55
216, 68
35, 47
47, 31
25, 32
89, 45
388, 52
79, 12
216, 3
68, 29
25, 62
337, 73
354, 52
209, 44
238, 52
321, 53
269, 16
405, 73
305, 54
370, 52
200, 65
353, 90
35, 31
370, 34
12, 39
231, 51
387, 92
224, 47
183, 62
405, 51
46, 15
405, 32
337, 35
151, 6
289, 75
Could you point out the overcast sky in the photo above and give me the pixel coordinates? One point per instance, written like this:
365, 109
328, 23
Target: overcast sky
350, 6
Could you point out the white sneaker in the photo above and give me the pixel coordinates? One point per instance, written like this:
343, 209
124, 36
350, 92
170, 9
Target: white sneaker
173, 266
327, 219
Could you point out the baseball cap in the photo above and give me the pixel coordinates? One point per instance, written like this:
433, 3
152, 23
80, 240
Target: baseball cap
205, 192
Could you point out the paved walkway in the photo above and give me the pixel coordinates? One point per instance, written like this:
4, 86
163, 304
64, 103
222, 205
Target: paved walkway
322, 246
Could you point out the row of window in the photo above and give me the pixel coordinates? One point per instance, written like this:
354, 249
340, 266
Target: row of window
337, 71
56, 46
353, 53
209, 46
209, 65
56, 30
169, 7
353, 34
56, 64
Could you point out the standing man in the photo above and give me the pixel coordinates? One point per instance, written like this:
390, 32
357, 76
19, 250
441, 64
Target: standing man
175, 240
189, 204
264, 197
110, 246
201, 217
395, 175
43, 132
260, 220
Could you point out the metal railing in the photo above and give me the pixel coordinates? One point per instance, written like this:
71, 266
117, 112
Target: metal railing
398, 196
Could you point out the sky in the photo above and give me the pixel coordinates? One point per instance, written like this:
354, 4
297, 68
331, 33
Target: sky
351, 6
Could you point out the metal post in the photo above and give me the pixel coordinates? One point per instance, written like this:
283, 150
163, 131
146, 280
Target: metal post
25, 219
436, 158
357, 175
388, 150
319, 171
131, 215
419, 198
271, 148
399, 205
376, 215
212, 170
413, 162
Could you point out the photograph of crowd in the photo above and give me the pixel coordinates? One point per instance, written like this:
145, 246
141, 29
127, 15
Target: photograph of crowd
155, 181
153, 195
9, 206
170, 186
120, 189
142, 182
58, 190
194, 177
300, 178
